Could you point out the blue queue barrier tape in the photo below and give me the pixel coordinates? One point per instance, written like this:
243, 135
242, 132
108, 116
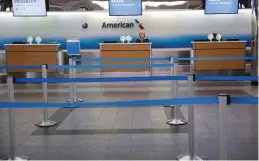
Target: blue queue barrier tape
119, 59
87, 66
110, 66
111, 79
20, 67
244, 100
227, 78
221, 58
182, 101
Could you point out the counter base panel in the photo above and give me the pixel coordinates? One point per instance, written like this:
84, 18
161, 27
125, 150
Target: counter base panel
125, 47
31, 58
219, 45
219, 64
125, 54
31, 48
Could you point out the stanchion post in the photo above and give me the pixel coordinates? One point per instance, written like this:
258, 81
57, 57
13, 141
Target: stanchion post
71, 84
224, 101
12, 141
176, 108
46, 122
100, 63
74, 84
151, 62
191, 155
72, 90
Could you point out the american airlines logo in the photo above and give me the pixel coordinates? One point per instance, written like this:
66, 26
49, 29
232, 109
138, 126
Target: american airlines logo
25, 1
119, 25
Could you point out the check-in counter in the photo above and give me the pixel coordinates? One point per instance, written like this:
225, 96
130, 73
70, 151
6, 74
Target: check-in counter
125, 50
32, 54
218, 49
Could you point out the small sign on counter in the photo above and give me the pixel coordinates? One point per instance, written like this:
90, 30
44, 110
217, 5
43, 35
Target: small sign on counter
73, 47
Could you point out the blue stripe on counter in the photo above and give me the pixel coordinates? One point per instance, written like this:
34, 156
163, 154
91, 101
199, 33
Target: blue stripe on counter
178, 41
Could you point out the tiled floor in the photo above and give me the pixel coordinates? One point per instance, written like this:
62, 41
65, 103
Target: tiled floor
134, 133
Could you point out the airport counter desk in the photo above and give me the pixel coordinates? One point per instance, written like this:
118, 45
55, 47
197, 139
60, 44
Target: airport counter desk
125, 50
32, 54
216, 49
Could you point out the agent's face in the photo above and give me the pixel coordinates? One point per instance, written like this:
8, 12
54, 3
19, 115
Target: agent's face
142, 35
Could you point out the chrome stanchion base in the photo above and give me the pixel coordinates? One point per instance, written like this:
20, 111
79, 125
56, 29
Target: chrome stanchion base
172, 106
48, 123
77, 100
17, 158
188, 157
175, 121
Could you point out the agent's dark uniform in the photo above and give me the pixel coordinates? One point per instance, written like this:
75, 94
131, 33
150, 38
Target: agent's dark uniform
142, 41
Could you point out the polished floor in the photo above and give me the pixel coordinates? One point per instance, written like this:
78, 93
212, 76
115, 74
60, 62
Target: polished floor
128, 133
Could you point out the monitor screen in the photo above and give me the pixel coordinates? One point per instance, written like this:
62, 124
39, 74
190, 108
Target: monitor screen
29, 8
221, 6
125, 7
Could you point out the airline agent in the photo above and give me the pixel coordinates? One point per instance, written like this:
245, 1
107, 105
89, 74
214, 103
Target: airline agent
142, 38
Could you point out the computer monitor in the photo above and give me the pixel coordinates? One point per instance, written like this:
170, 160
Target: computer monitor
125, 7
35, 8
221, 7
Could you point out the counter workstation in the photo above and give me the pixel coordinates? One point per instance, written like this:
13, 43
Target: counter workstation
124, 50
33, 54
218, 49
27, 54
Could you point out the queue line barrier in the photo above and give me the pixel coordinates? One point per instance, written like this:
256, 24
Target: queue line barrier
173, 70
160, 59
222, 100
183, 101
104, 79
227, 78
135, 79
110, 66
244, 100
124, 59
175, 121
72, 75
119, 59
20, 67
155, 102
123, 66
218, 58
88, 66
